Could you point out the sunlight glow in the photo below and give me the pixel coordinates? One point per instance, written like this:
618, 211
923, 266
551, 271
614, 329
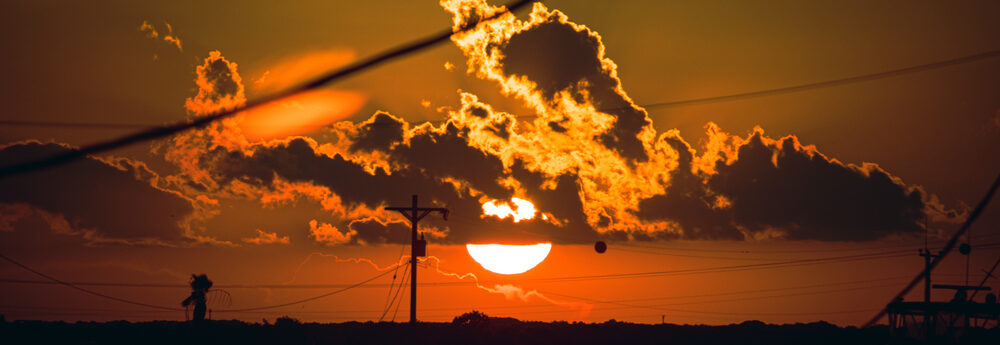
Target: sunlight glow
523, 209
300, 114
509, 259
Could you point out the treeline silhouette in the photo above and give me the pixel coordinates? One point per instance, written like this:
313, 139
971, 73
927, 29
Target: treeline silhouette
469, 328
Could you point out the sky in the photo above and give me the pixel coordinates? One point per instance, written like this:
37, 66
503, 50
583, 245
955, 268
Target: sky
793, 207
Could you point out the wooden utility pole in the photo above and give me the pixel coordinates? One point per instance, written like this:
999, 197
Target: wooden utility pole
418, 246
928, 257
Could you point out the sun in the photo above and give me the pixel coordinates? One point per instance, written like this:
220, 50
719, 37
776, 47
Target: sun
507, 258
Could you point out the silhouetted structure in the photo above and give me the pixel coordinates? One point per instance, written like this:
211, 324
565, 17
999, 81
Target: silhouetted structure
944, 322
418, 247
199, 288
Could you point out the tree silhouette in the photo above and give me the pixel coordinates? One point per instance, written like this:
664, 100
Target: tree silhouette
199, 287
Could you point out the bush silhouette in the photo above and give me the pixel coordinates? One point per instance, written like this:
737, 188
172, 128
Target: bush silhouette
472, 318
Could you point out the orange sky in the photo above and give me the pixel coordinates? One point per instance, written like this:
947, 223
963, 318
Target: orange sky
547, 106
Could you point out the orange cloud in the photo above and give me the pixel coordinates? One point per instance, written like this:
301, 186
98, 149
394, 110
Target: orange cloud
328, 234
170, 38
510, 291
220, 86
590, 158
302, 113
266, 238
292, 70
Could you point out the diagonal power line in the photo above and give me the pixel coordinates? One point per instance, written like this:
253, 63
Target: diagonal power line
169, 129
830, 83
669, 104
88, 291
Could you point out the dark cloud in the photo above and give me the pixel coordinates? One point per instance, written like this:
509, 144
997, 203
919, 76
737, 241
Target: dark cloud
446, 154
813, 197
559, 57
218, 74
430, 156
782, 187
688, 202
116, 200
371, 230
380, 132
297, 161
590, 176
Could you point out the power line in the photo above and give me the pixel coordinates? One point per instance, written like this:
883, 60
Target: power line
398, 304
790, 263
714, 269
743, 95
169, 129
95, 293
402, 281
831, 83
730, 293
592, 300
732, 268
98, 125
388, 303
660, 249
310, 298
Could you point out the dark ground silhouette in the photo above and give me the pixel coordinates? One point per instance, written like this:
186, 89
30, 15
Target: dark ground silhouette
466, 329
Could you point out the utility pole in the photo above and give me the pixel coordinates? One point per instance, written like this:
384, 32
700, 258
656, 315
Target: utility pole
928, 257
418, 247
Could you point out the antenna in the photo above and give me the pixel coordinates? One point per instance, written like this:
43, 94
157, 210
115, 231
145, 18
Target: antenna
927, 230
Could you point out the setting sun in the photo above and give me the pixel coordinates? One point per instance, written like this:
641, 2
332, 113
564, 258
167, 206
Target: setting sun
509, 259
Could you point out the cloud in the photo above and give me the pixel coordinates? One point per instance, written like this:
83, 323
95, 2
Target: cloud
104, 200
11, 214
758, 187
169, 37
328, 234
590, 162
374, 230
219, 86
785, 185
380, 132
509, 291
291, 70
553, 64
266, 238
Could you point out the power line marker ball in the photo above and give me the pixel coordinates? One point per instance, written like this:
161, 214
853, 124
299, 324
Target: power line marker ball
600, 247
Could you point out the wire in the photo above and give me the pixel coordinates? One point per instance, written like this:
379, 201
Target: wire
714, 269
983, 246
747, 267
701, 311
944, 251
398, 290
400, 303
95, 293
169, 129
74, 286
393, 282
831, 83
723, 98
310, 298
101, 125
